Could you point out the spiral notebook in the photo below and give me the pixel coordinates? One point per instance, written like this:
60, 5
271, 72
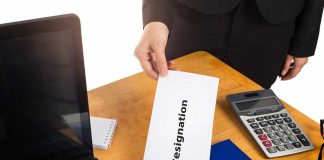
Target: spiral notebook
102, 130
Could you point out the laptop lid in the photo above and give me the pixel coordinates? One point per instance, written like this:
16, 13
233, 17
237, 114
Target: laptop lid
44, 107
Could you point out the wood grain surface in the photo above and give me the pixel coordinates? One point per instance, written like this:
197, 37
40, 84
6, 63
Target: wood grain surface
130, 101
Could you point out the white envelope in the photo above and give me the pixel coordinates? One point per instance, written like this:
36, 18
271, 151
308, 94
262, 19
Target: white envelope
182, 117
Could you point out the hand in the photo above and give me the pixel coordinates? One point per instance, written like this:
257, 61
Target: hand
292, 67
151, 50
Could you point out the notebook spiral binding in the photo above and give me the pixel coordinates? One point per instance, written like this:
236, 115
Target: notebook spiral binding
111, 130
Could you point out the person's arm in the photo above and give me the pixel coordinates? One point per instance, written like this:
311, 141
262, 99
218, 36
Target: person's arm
150, 51
304, 41
307, 29
156, 11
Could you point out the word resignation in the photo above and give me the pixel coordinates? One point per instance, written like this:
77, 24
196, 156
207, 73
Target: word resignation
180, 134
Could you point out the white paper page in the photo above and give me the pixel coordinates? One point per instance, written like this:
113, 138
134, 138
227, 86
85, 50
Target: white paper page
102, 130
186, 136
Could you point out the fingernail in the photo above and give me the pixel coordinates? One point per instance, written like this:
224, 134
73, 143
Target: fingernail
163, 73
283, 73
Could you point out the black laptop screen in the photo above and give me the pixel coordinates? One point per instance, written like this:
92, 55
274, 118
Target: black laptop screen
41, 113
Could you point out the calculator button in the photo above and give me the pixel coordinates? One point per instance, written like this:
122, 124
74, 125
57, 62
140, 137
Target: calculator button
259, 118
267, 129
292, 125
275, 128
275, 116
297, 144
267, 143
251, 120
292, 138
272, 122
272, 149
296, 131
283, 114
283, 127
279, 121
303, 140
284, 140
276, 141
254, 125
272, 136
267, 117
288, 132
258, 131
263, 124
289, 146
287, 120
263, 137
281, 148
280, 134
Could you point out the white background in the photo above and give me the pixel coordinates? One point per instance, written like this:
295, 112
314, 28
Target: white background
111, 30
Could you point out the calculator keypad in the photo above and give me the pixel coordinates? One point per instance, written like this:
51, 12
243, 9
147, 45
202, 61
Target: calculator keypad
278, 132
258, 131
296, 131
292, 125
259, 118
275, 116
303, 140
281, 147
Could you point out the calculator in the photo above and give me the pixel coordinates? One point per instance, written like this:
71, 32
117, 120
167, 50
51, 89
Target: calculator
269, 123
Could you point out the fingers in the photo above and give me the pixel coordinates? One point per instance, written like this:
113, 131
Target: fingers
292, 73
160, 60
171, 66
152, 61
286, 66
149, 69
151, 49
149, 64
145, 60
298, 64
171, 62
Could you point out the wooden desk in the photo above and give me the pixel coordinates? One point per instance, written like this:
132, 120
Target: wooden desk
130, 101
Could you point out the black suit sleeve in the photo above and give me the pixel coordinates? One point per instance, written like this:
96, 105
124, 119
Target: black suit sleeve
307, 29
156, 11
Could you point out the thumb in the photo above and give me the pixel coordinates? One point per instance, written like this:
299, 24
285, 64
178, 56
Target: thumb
161, 63
287, 64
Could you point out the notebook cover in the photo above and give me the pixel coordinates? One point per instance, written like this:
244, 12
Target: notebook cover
227, 150
102, 131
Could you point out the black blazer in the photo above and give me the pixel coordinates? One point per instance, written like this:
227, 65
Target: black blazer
306, 13
274, 11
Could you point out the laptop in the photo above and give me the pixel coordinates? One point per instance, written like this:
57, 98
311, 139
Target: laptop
43, 85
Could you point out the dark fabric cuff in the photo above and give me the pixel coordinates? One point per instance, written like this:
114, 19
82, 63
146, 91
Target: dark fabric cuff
302, 49
157, 12
304, 42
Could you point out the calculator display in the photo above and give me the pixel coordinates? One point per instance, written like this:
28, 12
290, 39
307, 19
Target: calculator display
258, 103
